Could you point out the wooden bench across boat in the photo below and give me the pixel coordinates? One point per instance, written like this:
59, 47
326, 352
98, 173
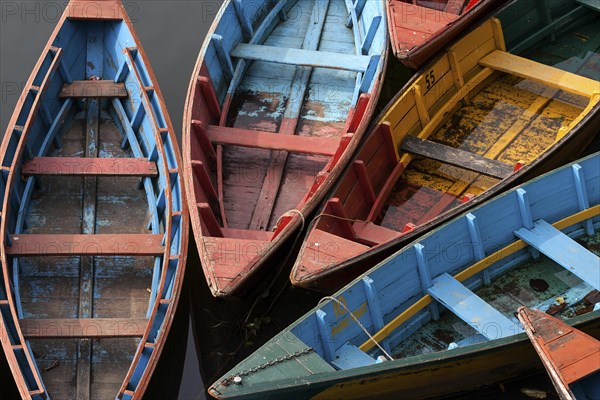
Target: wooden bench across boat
281, 95
477, 120
94, 225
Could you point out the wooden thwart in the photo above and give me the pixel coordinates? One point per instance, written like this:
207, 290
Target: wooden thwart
306, 58
72, 166
94, 89
88, 245
459, 158
484, 318
83, 328
537, 72
326, 146
563, 250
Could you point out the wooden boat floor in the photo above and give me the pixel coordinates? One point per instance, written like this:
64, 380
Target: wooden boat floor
260, 103
476, 128
429, 187
50, 286
529, 284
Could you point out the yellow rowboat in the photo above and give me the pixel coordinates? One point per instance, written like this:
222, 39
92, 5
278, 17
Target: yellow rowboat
474, 122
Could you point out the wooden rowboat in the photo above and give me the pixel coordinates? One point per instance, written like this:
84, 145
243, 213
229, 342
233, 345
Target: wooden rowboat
477, 121
280, 97
94, 226
571, 357
386, 334
419, 29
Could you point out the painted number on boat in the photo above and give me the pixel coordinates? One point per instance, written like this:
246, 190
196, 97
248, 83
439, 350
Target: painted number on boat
338, 310
429, 79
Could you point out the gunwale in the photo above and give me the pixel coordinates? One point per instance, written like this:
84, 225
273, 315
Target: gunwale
345, 268
289, 222
110, 11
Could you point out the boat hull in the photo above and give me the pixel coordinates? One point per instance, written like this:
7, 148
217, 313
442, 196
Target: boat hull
259, 162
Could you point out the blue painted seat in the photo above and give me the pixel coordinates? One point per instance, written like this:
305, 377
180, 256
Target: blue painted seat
300, 57
350, 356
563, 250
469, 307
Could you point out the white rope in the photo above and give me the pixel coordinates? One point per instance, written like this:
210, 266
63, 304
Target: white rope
359, 324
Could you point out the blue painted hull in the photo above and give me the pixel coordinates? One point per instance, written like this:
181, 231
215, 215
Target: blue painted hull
93, 104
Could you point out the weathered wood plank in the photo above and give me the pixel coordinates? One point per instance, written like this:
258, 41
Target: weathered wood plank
94, 89
459, 158
563, 250
83, 328
272, 141
537, 72
484, 318
86, 244
76, 166
301, 57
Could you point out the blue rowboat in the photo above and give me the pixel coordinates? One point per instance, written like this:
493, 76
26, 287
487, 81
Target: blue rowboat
93, 220
281, 95
443, 308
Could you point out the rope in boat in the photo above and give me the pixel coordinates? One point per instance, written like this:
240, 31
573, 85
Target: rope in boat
359, 324
287, 258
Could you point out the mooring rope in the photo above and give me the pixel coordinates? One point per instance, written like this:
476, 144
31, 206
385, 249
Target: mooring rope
389, 357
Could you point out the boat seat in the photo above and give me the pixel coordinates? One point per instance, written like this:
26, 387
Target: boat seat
73, 166
458, 158
592, 4
299, 57
373, 234
563, 250
469, 307
326, 146
541, 73
41, 245
94, 89
350, 356
83, 328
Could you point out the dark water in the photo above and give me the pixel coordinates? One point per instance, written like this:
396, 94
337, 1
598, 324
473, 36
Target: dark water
172, 33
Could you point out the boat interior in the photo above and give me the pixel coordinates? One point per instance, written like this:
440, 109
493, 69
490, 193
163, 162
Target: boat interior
462, 285
415, 22
92, 218
280, 93
474, 117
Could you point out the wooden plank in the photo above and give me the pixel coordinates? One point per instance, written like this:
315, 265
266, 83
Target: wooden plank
563, 250
458, 158
326, 146
75, 166
350, 356
94, 89
299, 85
82, 328
484, 318
591, 4
373, 234
302, 57
86, 244
537, 72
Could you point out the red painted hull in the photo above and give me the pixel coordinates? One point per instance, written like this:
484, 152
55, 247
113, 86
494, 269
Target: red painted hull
419, 31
